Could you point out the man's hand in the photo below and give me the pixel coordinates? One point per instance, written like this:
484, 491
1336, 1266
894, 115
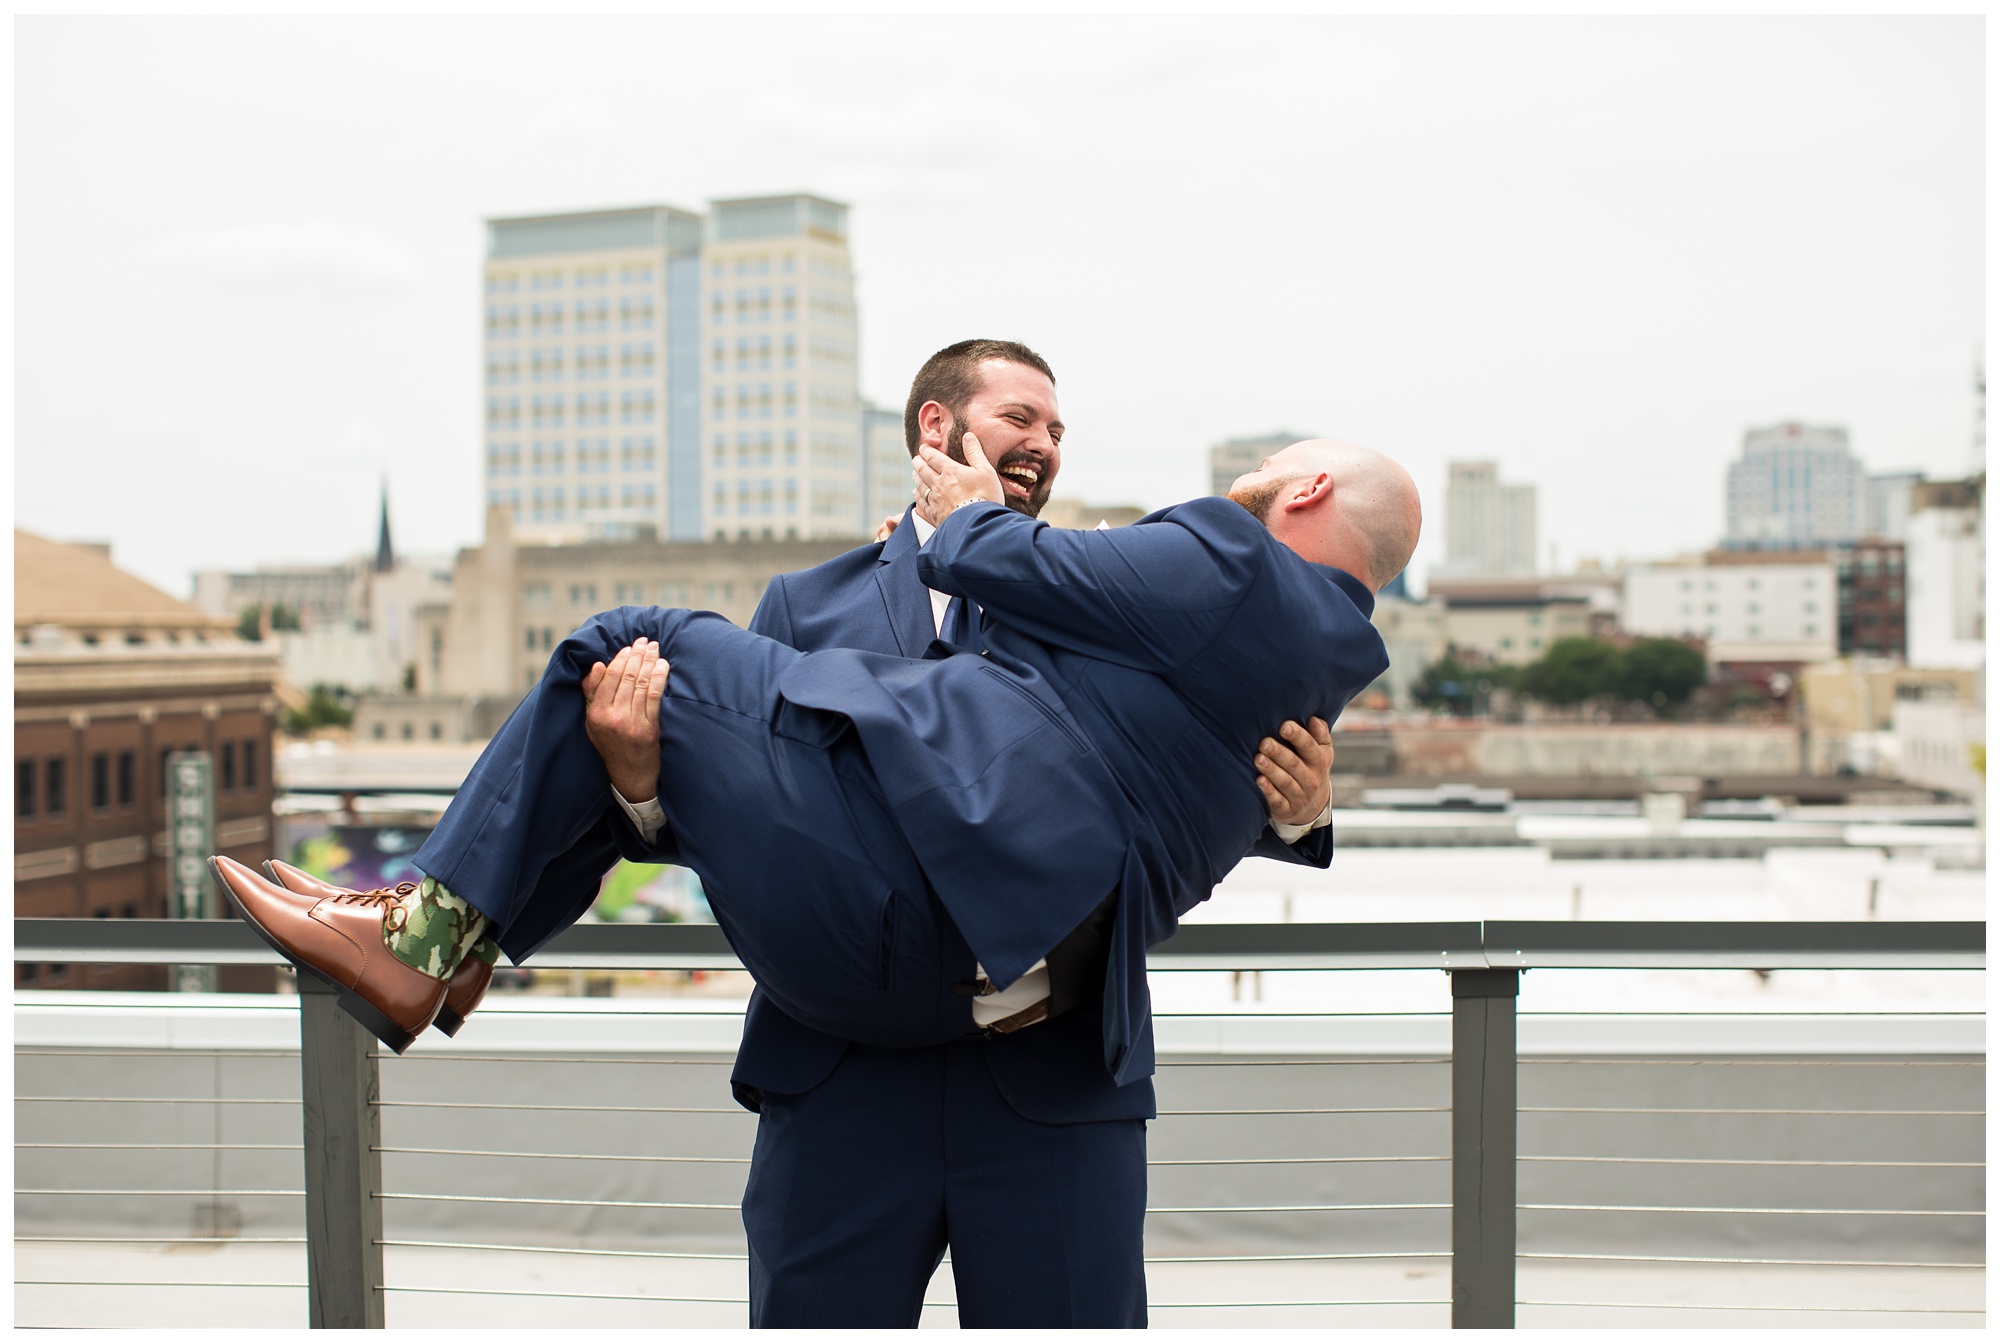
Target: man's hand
888, 527
1297, 780
943, 484
623, 717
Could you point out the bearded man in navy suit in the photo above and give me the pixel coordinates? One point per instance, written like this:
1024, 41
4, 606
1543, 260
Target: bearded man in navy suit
1001, 1129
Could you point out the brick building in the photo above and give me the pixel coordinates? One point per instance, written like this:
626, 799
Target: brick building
111, 678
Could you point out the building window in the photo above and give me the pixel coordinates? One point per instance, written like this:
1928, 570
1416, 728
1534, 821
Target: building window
381, 731
250, 764
229, 766
437, 731
24, 789
55, 794
100, 781
127, 771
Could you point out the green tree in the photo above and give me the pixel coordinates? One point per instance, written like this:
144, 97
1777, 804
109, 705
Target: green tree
323, 709
250, 621
1572, 671
1661, 672
1459, 686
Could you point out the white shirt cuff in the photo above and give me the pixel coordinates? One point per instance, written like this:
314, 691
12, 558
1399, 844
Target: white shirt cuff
1292, 834
649, 817
1022, 994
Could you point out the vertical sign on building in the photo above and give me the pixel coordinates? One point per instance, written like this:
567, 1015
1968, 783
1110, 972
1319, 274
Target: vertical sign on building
190, 840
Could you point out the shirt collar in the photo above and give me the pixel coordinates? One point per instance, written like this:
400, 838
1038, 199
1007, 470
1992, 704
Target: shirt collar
925, 530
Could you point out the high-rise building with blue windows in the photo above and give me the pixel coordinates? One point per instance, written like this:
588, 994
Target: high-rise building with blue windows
1796, 487
654, 369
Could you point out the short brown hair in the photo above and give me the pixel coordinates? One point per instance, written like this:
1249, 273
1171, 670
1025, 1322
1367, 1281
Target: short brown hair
951, 376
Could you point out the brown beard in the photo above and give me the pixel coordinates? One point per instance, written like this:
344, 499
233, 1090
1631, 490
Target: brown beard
954, 448
1258, 499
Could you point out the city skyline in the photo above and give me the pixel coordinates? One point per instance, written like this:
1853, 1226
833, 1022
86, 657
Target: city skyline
1458, 238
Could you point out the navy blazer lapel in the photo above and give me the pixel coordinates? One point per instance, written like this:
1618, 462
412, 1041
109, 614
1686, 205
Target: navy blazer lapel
905, 599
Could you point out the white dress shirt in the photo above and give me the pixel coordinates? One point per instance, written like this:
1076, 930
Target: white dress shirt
647, 818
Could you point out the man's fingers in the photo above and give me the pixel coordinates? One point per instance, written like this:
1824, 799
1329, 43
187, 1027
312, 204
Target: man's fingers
592, 679
1322, 733
1285, 780
656, 689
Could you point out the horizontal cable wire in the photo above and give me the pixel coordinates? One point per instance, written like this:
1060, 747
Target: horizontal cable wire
1293, 1258
663, 1254
567, 1296
1258, 1305
179, 1193
1781, 1212
568, 1156
1764, 1063
1313, 1207
455, 1057
1758, 1016
1842, 1310
163, 1052
1351, 1110
1702, 1110
1752, 1161
159, 1240
576, 1109
1309, 1016
101, 1282
1297, 1063
164, 1146
165, 1100
1721, 1259
1288, 1160
558, 1249
928, 1305
559, 1202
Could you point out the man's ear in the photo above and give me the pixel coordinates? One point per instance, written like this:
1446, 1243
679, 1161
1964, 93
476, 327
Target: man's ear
1309, 491
933, 420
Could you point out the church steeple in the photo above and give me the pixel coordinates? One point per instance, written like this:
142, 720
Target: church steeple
385, 554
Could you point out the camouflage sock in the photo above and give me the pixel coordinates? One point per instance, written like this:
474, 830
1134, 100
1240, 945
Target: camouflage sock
486, 949
430, 929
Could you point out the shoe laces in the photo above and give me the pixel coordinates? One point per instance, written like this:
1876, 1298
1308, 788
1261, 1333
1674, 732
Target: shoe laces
392, 896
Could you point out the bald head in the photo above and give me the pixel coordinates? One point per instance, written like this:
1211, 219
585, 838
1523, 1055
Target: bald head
1339, 504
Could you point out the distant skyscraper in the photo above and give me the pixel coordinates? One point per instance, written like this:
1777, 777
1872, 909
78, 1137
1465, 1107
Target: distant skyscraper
783, 396
1489, 528
652, 367
1237, 456
1796, 486
593, 371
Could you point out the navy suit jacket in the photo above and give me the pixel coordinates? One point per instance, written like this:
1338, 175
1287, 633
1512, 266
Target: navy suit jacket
874, 599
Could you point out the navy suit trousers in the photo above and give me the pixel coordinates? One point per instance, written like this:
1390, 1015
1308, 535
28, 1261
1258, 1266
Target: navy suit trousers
773, 806
857, 1186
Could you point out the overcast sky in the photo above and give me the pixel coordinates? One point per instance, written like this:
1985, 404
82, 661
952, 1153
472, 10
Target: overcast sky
248, 250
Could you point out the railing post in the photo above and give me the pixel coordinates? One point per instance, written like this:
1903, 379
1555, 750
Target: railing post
1482, 1147
340, 1091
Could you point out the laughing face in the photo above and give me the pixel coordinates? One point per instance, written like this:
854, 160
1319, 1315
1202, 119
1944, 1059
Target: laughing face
1013, 414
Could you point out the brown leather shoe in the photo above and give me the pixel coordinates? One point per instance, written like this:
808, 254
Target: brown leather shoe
468, 983
337, 938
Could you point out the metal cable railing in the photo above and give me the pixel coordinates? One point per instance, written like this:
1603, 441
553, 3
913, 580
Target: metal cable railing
1297, 1093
